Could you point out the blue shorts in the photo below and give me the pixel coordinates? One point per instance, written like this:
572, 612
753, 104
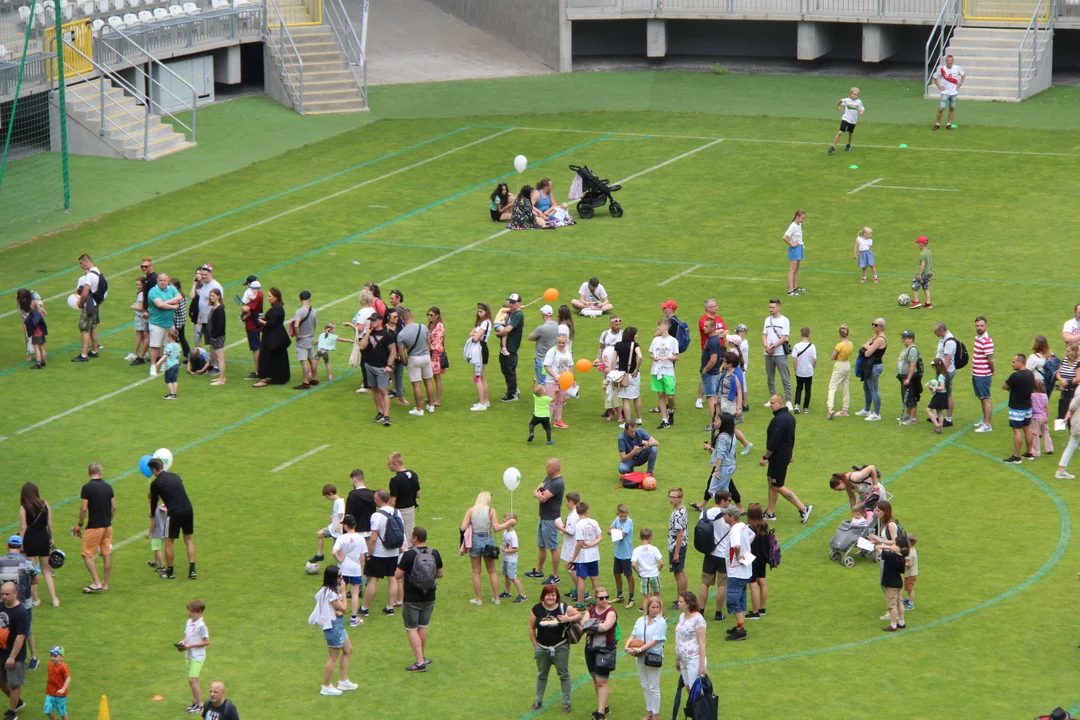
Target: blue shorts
947, 101
587, 569
357, 580
335, 634
547, 535
710, 385
677, 567
736, 595
509, 567
981, 385
54, 704
171, 374
795, 253
866, 259
254, 338
479, 542
1019, 418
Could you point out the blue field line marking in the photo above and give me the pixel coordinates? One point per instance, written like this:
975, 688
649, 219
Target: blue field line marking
1064, 534
217, 433
242, 208
411, 213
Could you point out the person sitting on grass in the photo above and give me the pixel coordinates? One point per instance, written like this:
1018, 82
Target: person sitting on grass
593, 297
544, 205
523, 215
501, 203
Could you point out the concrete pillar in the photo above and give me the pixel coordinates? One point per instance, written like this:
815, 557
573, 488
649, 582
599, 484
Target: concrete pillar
815, 40
656, 38
878, 42
566, 41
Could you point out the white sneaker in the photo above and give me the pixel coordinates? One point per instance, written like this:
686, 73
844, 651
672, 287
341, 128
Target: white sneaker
766, 405
1064, 475
129, 357
984, 429
153, 371
640, 422
479, 407
329, 690
979, 422
862, 413
699, 404
789, 407
345, 685
430, 408
417, 412
872, 417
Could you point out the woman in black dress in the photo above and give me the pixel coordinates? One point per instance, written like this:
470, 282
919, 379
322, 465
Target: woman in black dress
274, 357
35, 526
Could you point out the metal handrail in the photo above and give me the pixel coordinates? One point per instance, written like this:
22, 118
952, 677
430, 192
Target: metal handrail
283, 35
1033, 31
151, 61
345, 34
940, 35
104, 73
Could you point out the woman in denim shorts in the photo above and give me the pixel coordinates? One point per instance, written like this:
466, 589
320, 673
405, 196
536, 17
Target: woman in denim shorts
481, 517
329, 613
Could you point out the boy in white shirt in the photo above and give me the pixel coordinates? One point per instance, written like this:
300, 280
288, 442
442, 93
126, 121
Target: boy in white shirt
196, 639
349, 550
510, 561
853, 108
664, 351
740, 571
337, 513
586, 555
568, 528
805, 353
647, 561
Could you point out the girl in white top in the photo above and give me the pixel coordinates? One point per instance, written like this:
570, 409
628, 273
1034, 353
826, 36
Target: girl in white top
557, 361
476, 352
793, 239
359, 325
862, 252
566, 326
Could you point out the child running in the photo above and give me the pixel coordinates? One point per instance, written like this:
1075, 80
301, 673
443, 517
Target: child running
911, 573
510, 560
170, 357
647, 562
862, 252
624, 551
541, 412
939, 386
56, 688
196, 639
853, 109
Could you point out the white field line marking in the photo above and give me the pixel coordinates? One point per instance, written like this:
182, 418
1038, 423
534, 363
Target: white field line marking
668, 162
733, 277
298, 458
85, 405
904, 187
381, 207
808, 142
863, 187
676, 276
290, 211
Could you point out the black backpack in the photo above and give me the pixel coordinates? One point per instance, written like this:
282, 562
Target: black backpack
424, 570
961, 358
102, 288
705, 535
393, 536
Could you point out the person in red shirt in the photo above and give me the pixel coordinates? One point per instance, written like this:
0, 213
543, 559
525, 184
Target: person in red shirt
56, 688
251, 310
711, 310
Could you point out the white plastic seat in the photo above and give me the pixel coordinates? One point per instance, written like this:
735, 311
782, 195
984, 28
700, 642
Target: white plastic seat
131, 20
68, 12
145, 16
117, 4
24, 15
102, 6
219, 4
3, 53
239, 3
161, 14
96, 26
175, 11
87, 8
117, 23
191, 8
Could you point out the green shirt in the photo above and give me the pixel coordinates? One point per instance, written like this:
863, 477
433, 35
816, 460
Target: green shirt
927, 258
907, 355
516, 320
541, 406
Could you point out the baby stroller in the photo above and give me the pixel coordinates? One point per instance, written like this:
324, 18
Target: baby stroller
592, 193
843, 543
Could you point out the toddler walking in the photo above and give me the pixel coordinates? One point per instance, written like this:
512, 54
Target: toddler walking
159, 530
541, 412
862, 252
170, 357
911, 573
1040, 431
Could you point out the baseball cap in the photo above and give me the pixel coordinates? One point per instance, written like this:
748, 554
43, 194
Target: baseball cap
208, 268
669, 305
305, 295
57, 650
922, 240
546, 310
514, 297
732, 511
255, 285
15, 541
250, 279
741, 328
908, 334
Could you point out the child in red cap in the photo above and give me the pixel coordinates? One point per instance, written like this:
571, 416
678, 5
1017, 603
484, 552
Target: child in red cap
921, 281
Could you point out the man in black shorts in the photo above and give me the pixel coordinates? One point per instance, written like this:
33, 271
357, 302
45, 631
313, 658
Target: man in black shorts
779, 448
169, 488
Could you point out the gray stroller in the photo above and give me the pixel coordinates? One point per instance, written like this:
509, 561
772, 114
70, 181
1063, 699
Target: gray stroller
843, 544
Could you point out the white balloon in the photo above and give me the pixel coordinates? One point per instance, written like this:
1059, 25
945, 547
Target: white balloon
511, 479
520, 163
73, 301
165, 456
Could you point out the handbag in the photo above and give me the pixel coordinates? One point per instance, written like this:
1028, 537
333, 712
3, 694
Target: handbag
444, 361
491, 552
654, 660
604, 658
624, 381
355, 359
574, 630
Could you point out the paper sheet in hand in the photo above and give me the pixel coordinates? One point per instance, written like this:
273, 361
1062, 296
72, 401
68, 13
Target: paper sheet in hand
1059, 425
617, 534
864, 544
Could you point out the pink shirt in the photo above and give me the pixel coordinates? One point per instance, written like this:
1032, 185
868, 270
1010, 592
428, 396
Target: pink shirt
1038, 406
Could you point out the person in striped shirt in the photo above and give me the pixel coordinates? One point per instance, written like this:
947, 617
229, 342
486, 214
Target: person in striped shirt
982, 372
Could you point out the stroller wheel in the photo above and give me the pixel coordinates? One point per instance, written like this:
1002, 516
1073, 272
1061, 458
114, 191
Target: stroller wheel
865, 553
834, 556
849, 562
585, 211
615, 209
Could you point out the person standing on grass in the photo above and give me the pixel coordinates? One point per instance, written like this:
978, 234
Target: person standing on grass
1070, 333
418, 572
1021, 385
893, 561
558, 360
779, 449
1072, 423
170, 489
740, 572
774, 338
274, 352
360, 503
872, 365
841, 373
394, 322
382, 560
759, 548
982, 373
711, 359
690, 638
196, 640
1067, 378
14, 620
476, 352
863, 252
731, 393
201, 286
329, 615
947, 79
36, 530
481, 517
714, 564
97, 510
568, 528
676, 544
793, 239
437, 333
805, 353
378, 366
628, 361
149, 276
544, 336
600, 640
925, 274
412, 344
711, 309
511, 330
664, 352
349, 550
624, 551
549, 495
219, 707
853, 110
404, 491
216, 328
251, 308
648, 638
302, 327
907, 372
180, 316
668, 309
585, 557
548, 623
137, 356
17, 568
162, 302
87, 291
946, 352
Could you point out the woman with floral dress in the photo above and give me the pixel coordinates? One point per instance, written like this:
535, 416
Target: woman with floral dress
436, 333
522, 216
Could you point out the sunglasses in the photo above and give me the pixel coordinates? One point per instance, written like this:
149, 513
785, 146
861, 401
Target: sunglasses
674, 497
602, 597
145, 267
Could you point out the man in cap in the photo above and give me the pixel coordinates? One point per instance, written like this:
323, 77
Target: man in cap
201, 286
19, 569
921, 281
13, 653
378, 366
511, 330
303, 328
544, 336
668, 308
907, 371
251, 309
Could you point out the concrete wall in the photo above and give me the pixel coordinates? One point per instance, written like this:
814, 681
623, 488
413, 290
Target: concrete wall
531, 26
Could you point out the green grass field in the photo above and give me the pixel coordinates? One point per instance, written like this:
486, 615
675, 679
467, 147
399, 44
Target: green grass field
992, 635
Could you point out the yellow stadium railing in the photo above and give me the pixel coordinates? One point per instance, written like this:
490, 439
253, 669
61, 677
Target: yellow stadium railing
1018, 11
76, 33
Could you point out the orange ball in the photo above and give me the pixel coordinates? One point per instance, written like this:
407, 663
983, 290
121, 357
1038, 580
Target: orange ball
583, 365
566, 380
551, 295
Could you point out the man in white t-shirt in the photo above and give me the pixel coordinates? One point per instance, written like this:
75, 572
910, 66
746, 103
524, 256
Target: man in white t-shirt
664, 351
948, 78
349, 550
853, 108
203, 283
714, 564
382, 561
946, 352
608, 338
740, 571
1070, 333
592, 299
586, 554
568, 528
774, 337
88, 309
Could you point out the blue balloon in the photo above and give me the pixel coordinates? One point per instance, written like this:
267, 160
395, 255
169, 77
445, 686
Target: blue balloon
144, 465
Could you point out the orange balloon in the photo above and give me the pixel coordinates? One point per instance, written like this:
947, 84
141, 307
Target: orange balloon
551, 294
584, 365
566, 380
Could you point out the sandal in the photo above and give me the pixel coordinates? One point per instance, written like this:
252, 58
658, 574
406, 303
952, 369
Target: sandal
655, 410
90, 590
